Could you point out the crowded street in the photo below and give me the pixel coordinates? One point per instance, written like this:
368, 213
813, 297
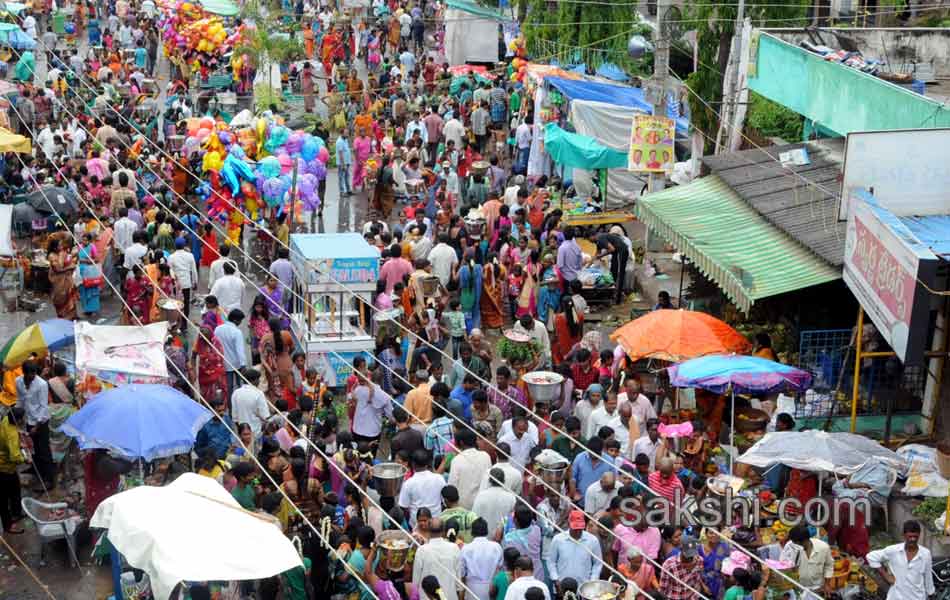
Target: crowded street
452, 300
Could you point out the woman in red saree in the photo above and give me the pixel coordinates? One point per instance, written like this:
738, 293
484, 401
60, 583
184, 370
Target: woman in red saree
494, 278
328, 48
209, 246
568, 330
138, 292
207, 364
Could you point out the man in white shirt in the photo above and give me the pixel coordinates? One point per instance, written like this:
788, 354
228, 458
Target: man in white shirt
134, 253
248, 403
525, 582
443, 259
44, 139
603, 414
453, 131
182, 263
649, 443
216, 270
511, 476
467, 467
520, 442
600, 493
909, 566
372, 403
422, 245
812, 557
495, 502
229, 290
124, 230
423, 489
481, 559
523, 142
440, 558
232, 342
621, 428
29, 25
643, 409
530, 326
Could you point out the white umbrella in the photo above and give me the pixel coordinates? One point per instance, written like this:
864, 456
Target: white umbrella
193, 530
814, 450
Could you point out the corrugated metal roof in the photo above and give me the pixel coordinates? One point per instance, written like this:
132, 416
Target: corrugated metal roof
731, 243
808, 213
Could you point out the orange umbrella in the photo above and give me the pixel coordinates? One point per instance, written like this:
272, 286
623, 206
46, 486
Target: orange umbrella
678, 335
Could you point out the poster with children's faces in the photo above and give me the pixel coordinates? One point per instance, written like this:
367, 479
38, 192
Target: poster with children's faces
651, 144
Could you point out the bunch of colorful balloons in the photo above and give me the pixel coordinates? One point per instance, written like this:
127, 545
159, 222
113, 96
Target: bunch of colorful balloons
519, 68
188, 31
235, 178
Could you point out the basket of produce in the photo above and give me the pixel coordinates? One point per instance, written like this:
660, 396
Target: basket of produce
751, 419
518, 349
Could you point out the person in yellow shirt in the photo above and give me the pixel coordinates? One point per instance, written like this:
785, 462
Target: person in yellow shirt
10, 459
8, 387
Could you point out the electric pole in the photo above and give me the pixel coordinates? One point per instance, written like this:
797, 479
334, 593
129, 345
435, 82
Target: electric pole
657, 87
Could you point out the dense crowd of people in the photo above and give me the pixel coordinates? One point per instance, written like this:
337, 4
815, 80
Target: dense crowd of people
469, 245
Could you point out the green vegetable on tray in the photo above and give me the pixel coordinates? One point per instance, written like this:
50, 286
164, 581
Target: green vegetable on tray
517, 352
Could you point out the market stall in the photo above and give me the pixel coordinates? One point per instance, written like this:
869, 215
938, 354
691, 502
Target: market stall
332, 326
192, 530
111, 355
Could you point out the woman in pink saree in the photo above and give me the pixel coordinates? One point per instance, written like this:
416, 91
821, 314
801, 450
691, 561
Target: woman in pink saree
362, 148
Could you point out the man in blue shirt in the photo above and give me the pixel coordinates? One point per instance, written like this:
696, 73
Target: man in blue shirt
570, 258
587, 469
343, 161
216, 433
576, 553
232, 341
463, 393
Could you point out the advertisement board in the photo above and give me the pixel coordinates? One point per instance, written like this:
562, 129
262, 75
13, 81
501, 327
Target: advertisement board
335, 367
885, 269
909, 170
651, 144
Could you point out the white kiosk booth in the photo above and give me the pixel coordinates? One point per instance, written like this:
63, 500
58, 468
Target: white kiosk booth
336, 274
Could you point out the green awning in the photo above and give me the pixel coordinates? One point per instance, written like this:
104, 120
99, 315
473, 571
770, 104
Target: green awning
731, 243
580, 151
474, 8
224, 8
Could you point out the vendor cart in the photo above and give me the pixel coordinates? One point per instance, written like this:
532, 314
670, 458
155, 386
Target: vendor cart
605, 219
336, 275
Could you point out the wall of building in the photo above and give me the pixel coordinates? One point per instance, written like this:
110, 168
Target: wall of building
895, 45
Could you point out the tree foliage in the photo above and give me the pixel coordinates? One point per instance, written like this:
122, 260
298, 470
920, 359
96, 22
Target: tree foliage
584, 33
770, 119
715, 25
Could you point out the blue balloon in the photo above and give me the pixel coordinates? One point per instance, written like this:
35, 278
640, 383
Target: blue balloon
269, 167
309, 149
230, 177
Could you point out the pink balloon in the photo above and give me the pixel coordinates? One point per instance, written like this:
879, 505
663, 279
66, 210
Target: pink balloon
323, 154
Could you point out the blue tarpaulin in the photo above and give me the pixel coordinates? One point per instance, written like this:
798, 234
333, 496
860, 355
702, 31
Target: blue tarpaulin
612, 71
620, 95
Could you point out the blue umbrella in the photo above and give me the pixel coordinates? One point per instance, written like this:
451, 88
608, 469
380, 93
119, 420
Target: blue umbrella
738, 373
138, 421
743, 374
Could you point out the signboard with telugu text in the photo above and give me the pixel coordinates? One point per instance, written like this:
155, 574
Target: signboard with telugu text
651, 144
345, 270
885, 272
334, 367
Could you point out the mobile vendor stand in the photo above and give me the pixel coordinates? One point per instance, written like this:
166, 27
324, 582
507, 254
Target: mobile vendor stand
332, 325
111, 355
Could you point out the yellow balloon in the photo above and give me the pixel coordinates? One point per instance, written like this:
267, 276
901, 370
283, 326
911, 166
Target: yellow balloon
212, 162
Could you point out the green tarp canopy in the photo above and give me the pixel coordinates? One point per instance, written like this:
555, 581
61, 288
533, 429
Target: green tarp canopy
224, 8
580, 151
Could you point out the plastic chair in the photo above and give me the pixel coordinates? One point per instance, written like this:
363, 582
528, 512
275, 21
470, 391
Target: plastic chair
52, 530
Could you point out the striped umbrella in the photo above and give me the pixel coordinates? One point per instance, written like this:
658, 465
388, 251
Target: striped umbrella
38, 338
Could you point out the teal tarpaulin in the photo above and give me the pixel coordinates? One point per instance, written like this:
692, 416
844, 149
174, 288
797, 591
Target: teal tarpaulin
224, 8
579, 151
